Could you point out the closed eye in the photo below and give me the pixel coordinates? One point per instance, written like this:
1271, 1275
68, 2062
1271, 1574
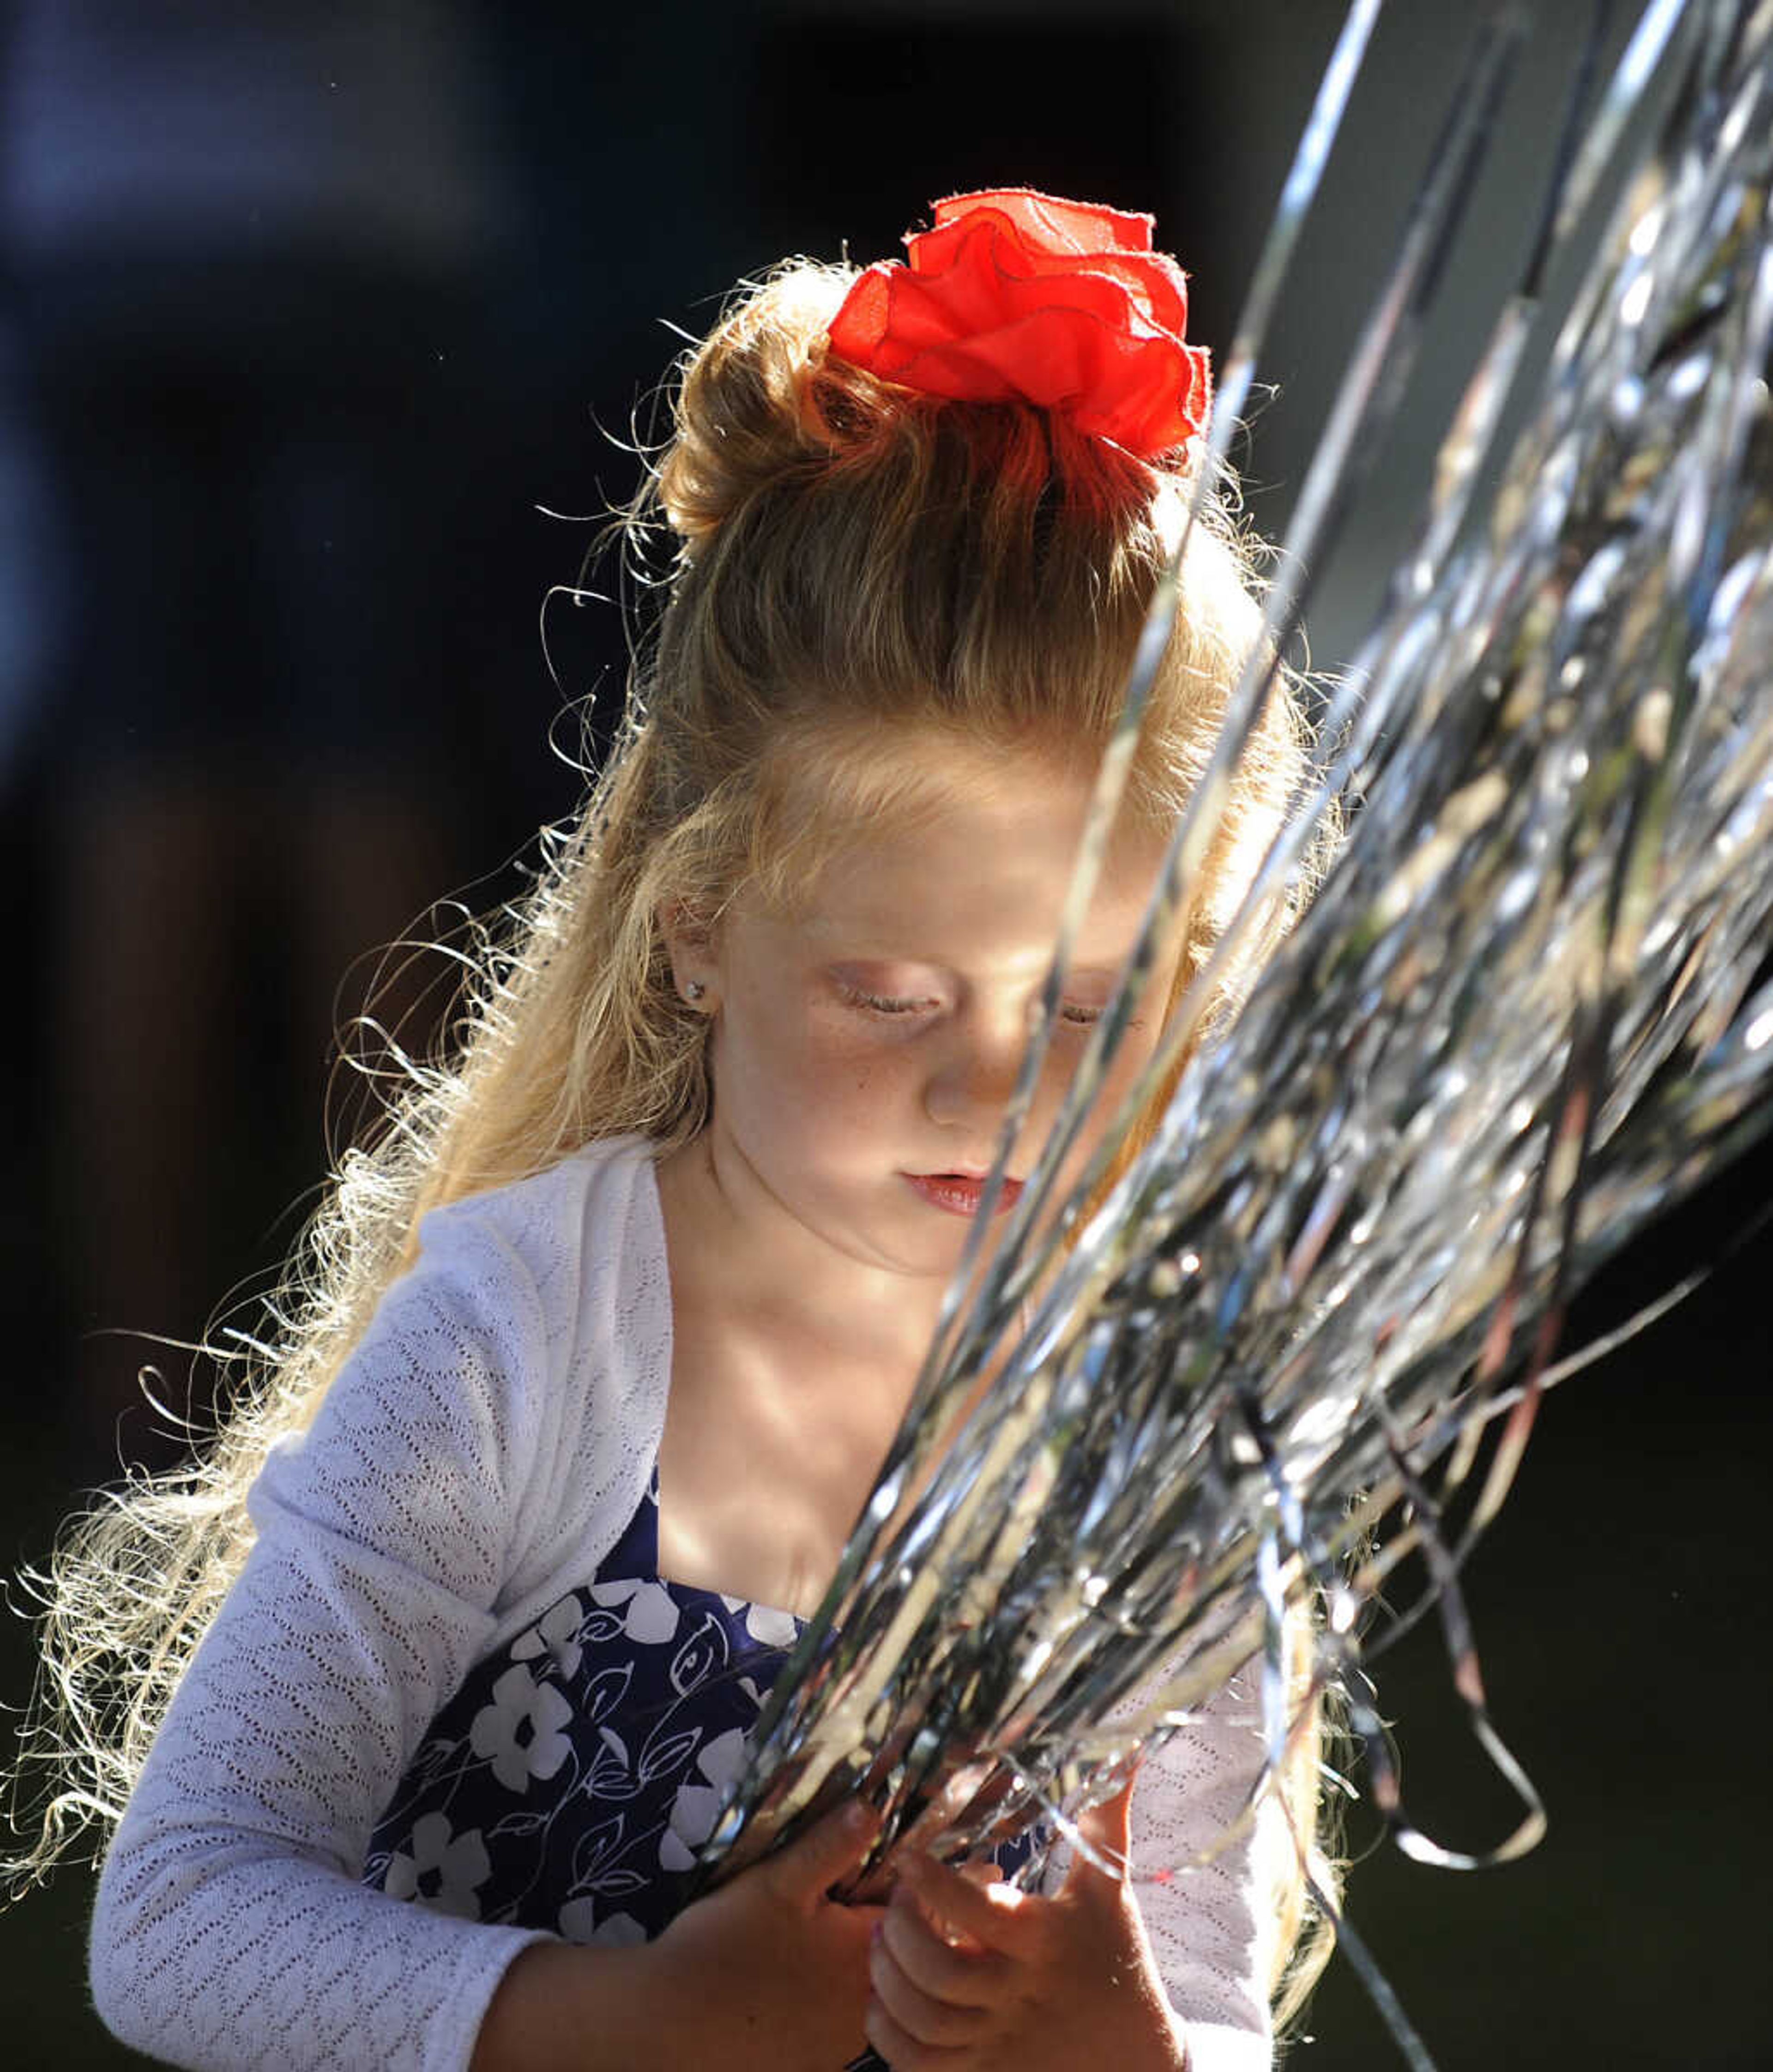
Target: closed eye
883, 1003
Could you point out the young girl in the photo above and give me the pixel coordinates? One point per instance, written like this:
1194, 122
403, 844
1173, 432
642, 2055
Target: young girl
598, 1353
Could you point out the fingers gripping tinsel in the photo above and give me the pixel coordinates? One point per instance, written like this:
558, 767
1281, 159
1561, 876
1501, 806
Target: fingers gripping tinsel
1518, 1021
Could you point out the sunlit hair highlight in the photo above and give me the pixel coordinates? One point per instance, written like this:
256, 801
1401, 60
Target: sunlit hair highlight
850, 560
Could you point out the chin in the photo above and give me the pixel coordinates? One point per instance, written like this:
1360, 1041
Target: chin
918, 1255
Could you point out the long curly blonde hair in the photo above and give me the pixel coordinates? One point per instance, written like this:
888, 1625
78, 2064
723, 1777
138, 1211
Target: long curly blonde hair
852, 559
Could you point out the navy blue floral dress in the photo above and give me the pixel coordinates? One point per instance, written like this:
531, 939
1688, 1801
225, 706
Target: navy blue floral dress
570, 1781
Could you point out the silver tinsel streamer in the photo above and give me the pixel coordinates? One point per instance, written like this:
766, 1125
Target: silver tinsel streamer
1518, 1020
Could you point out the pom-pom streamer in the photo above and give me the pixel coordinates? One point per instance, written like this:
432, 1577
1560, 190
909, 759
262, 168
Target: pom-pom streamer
1519, 1020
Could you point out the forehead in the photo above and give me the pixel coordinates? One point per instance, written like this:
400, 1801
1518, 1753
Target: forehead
968, 844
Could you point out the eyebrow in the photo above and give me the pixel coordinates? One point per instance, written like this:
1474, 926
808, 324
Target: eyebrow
1109, 967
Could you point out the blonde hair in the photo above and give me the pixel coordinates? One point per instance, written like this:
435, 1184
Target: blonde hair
852, 559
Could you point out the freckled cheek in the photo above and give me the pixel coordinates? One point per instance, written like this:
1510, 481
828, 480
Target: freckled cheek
1130, 1056
851, 1075
1137, 1048
764, 1060
873, 1084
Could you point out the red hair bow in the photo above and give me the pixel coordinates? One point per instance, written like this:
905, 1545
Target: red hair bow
1016, 296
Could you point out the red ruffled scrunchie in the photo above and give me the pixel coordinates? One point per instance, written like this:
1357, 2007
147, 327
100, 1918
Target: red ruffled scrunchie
1018, 296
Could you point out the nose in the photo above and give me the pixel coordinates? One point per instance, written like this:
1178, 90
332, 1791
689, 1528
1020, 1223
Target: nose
972, 1077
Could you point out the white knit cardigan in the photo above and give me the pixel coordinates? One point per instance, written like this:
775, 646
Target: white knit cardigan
474, 1459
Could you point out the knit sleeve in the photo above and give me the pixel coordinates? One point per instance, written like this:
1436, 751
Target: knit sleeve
1202, 1904
1204, 1919
231, 1930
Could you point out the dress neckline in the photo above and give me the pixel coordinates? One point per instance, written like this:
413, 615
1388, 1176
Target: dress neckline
634, 1558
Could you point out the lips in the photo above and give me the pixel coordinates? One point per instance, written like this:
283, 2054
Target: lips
960, 1194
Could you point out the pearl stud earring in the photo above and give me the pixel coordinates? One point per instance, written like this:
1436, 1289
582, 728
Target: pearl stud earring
694, 991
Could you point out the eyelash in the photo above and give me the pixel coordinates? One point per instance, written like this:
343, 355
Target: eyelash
878, 1003
1073, 1015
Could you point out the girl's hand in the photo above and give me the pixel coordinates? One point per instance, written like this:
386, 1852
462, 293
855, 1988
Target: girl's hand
768, 1971
973, 1977
765, 1975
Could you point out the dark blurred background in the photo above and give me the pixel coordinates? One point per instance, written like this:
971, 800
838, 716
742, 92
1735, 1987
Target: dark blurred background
323, 324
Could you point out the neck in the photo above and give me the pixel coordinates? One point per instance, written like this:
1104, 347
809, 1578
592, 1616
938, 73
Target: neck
737, 1252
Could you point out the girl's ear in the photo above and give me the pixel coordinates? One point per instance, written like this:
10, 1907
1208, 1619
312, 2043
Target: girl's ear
689, 943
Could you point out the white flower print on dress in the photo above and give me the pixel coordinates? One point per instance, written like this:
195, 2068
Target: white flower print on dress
697, 1807
557, 1635
520, 1732
651, 1617
771, 1628
579, 1923
444, 1872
